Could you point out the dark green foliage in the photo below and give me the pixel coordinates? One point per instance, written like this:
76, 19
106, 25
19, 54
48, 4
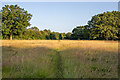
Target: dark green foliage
33, 33
0, 25
0, 18
14, 20
34, 28
81, 32
105, 26
68, 35
54, 36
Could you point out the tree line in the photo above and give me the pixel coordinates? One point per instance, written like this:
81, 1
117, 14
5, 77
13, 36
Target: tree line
15, 20
34, 33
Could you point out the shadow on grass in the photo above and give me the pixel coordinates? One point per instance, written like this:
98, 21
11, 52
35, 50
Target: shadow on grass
42, 62
82, 63
35, 62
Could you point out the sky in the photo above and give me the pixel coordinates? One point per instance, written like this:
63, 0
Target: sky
60, 0
63, 16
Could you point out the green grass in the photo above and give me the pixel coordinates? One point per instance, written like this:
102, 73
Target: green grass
89, 66
60, 59
28, 63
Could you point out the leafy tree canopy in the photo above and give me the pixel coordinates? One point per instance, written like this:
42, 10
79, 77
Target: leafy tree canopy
80, 32
14, 20
105, 26
34, 28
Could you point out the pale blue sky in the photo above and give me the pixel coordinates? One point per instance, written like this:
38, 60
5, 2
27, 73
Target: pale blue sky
63, 16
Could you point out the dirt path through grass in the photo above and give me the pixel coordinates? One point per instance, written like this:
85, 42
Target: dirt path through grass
59, 65
59, 62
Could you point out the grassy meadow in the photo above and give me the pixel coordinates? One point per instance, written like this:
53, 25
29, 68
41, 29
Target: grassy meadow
59, 59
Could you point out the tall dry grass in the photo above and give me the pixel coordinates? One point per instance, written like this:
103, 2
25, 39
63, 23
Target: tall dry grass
78, 58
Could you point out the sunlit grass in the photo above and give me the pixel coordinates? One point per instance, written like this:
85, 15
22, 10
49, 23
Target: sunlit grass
78, 59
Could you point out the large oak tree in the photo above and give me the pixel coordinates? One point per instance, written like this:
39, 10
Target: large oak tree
14, 20
105, 26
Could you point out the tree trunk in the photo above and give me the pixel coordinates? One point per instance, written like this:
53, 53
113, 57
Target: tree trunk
10, 36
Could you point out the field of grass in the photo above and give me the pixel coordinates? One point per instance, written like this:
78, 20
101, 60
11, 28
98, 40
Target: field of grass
59, 59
